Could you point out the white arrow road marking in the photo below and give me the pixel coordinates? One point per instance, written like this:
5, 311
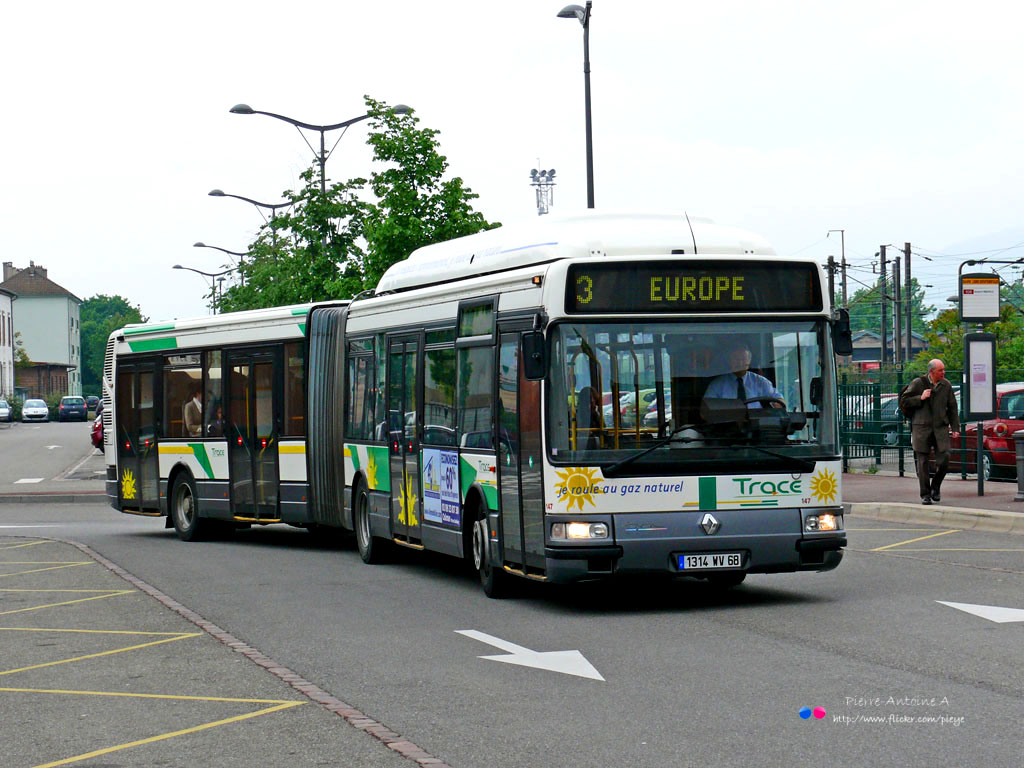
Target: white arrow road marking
29, 480
566, 662
41, 525
994, 613
51, 447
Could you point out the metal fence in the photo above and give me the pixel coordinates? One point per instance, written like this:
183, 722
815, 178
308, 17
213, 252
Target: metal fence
872, 429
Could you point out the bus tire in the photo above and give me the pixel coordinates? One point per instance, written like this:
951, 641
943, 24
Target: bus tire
493, 578
371, 549
185, 511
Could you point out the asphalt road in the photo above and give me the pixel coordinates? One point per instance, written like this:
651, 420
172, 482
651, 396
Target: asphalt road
690, 676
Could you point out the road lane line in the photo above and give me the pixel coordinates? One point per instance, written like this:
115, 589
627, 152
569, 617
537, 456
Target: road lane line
911, 541
168, 696
39, 570
69, 602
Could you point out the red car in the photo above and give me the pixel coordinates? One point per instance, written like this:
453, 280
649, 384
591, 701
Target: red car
96, 434
999, 457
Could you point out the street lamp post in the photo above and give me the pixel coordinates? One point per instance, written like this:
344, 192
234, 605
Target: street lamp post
271, 206
215, 277
583, 15
240, 256
323, 154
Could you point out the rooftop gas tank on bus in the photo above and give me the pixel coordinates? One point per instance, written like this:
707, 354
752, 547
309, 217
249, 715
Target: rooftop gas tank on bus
576, 235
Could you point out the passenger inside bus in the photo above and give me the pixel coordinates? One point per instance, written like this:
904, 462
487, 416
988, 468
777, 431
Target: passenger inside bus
588, 419
193, 413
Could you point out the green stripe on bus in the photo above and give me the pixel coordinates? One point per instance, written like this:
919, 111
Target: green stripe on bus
199, 450
708, 493
302, 328
467, 476
491, 494
153, 345
301, 311
148, 329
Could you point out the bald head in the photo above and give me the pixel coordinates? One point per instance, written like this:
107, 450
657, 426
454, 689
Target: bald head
936, 370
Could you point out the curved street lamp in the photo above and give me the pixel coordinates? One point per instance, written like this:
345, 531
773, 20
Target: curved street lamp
323, 154
583, 15
201, 244
272, 207
214, 278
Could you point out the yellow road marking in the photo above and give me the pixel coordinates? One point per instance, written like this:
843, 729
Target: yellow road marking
102, 653
164, 736
44, 562
29, 544
91, 631
85, 592
68, 602
168, 696
40, 570
911, 541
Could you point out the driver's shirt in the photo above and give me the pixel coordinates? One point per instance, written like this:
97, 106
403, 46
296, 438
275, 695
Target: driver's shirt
754, 384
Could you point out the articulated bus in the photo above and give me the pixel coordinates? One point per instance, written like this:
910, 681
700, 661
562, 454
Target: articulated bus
565, 400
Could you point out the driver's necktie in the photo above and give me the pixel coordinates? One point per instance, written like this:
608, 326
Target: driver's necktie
741, 391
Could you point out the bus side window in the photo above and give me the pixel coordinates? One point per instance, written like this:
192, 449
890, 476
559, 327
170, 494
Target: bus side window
475, 400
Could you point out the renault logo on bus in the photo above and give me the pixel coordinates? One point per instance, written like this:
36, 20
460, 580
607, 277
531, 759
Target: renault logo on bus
710, 524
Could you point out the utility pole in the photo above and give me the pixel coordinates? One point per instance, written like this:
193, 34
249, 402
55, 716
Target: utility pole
910, 304
897, 315
882, 299
842, 259
832, 280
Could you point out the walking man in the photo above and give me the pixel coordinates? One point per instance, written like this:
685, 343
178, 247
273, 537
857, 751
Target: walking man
931, 399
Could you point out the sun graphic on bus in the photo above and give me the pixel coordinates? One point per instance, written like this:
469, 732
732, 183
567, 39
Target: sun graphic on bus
128, 484
371, 471
825, 487
578, 484
408, 501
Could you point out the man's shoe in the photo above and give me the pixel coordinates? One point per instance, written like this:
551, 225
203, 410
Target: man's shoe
935, 496
926, 500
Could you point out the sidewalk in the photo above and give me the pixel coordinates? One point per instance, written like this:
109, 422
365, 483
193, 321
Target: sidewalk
894, 498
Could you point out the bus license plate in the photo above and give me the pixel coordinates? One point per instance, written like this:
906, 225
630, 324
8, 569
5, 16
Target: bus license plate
710, 561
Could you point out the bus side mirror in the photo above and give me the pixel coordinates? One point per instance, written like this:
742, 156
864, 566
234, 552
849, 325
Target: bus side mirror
535, 358
842, 338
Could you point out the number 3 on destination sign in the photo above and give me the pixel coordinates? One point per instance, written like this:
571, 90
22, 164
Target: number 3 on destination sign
585, 289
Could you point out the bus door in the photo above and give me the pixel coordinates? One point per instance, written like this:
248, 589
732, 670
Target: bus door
252, 429
519, 460
137, 456
404, 442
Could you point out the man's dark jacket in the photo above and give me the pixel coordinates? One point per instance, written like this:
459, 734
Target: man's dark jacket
933, 416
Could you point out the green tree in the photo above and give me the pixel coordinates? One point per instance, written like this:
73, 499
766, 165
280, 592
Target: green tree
415, 206
100, 315
311, 253
337, 244
866, 309
945, 339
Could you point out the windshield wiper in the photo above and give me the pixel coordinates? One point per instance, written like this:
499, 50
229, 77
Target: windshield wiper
805, 465
612, 468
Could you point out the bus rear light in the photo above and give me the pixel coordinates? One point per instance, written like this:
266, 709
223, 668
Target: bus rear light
576, 531
239, 439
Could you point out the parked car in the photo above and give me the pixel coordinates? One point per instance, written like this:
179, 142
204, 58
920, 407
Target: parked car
628, 408
6, 412
999, 454
91, 402
72, 407
35, 410
96, 433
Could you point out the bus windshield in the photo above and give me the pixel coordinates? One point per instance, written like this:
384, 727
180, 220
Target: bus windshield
686, 396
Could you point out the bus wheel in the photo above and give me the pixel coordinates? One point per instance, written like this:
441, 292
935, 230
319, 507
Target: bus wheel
371, 549
727, 580
493, 579
185, 511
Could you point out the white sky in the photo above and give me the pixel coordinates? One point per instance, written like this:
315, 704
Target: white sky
896, 121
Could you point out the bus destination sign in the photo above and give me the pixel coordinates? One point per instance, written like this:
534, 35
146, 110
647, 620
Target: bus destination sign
690, 286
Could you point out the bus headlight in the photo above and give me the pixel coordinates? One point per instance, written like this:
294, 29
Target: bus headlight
823, 522
576, 531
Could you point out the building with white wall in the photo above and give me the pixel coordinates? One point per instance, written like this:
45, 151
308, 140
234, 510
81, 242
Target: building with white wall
7, 342
47, 318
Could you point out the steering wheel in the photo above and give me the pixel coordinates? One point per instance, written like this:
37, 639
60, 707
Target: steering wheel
767, 401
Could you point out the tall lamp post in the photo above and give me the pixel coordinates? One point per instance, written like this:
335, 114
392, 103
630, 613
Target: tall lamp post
583, 15
239, 254
323, 154
215, 278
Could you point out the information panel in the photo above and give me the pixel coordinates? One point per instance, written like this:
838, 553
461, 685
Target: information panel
980, 372
979, 298
692, 286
